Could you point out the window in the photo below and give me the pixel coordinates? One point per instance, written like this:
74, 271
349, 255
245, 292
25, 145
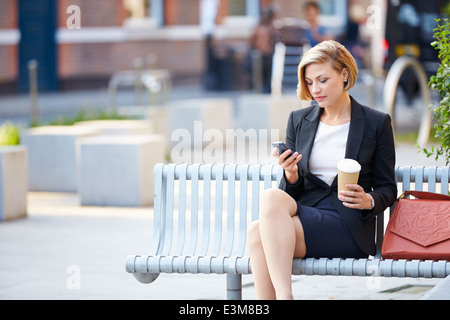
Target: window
145, 9
243, 13
137, 9
327, 7
333, 15
237, 7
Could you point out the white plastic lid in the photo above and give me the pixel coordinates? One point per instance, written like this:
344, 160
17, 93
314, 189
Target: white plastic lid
349, 165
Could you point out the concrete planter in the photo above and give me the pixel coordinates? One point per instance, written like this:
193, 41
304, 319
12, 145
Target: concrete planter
53, 156
118, 127
13, 182
194, 117
118, 170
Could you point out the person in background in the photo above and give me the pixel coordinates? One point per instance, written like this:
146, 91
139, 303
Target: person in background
263, 40
356, 40
316, 33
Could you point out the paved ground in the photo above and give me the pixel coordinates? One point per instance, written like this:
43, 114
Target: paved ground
65, 251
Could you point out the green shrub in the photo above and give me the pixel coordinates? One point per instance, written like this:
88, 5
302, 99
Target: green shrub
9, 134
441, 84
83, 115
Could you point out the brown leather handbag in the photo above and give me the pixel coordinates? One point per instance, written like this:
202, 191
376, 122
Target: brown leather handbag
418, 228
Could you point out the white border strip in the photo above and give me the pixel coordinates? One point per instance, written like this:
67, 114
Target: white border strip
9, 36
129, 33
91, 35
137, 33
123, 34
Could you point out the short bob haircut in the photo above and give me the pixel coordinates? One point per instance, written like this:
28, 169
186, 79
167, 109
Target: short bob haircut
327, 51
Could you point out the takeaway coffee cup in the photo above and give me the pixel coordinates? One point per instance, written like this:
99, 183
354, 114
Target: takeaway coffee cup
348, 173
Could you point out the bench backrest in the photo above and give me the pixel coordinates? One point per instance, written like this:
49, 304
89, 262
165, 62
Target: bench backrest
204, 210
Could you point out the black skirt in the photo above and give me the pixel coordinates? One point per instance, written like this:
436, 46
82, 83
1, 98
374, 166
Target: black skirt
326, 234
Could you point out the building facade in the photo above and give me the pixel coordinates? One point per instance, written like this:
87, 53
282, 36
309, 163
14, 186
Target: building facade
82, 43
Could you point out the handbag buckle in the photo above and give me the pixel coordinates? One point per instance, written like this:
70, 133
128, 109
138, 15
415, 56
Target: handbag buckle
404, 195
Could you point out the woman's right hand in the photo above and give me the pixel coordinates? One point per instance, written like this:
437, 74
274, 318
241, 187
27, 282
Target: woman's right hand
289, 164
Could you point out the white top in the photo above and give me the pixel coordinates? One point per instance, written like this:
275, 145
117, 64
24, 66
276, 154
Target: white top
328, 149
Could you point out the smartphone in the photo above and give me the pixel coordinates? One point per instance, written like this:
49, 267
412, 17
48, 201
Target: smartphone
282, 147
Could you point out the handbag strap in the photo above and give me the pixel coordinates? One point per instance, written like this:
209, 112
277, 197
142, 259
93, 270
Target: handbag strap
424, 195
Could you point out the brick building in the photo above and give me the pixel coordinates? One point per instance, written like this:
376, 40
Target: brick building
81, 43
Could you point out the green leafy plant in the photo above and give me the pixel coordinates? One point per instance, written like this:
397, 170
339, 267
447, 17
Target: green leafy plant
84, 115
441, 84
9, 134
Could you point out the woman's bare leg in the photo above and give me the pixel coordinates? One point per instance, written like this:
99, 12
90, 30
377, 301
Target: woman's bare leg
263, 283
280, 239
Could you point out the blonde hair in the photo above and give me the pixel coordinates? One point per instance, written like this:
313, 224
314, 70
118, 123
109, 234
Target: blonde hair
326, 51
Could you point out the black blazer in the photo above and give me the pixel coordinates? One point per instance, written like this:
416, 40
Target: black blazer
371, 143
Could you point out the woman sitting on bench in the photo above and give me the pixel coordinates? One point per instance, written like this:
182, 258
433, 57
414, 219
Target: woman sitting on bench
306, 216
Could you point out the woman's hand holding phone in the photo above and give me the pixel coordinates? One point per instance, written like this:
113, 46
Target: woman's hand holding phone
287, 160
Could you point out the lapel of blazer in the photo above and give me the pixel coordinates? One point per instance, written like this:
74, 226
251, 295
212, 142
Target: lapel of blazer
307, 134
356, 130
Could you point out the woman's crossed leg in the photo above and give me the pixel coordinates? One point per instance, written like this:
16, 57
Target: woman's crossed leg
273, 241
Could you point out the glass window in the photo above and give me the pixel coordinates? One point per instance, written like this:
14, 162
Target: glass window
137, 8
327, 7
145, 9
333, 15
237, 7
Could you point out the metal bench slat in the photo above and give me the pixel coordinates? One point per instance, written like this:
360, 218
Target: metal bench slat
432, 179
206, 209
418, 178
406, 178
158, 209
267, 176
168, 225
218, 209
194, 173
309, 266
181, 231
243, 198
443, 173
231, 173
255, 172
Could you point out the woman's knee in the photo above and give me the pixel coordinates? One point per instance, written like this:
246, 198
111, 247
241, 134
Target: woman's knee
271, 197
274, 201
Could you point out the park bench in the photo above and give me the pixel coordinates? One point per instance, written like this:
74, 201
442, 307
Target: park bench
201, 214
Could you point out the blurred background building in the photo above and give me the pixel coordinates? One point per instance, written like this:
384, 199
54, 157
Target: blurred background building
80, 44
